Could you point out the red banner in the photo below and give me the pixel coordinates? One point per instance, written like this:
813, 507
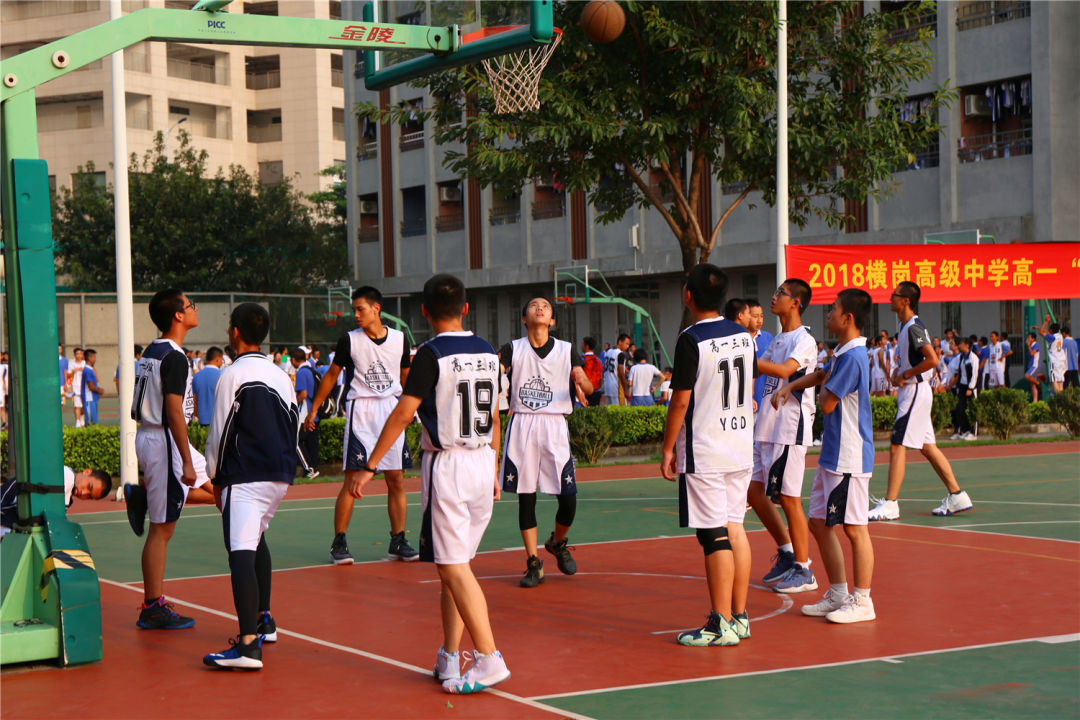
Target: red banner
945, 273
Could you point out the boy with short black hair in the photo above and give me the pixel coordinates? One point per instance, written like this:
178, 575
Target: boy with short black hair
1055, 353
376, 362
708, 448
173, 470
544, 375
453, 385
594, 370
840, 492
92, 391
966, 387
643, 377
251, 456
781, 437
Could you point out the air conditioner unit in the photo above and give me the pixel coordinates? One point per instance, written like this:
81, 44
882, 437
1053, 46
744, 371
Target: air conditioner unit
450, 194
369, 207
976, 106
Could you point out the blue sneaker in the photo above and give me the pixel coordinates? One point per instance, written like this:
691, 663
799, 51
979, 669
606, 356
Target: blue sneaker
267, 628
159, 615
716, 631
799, 579
238, 657
782, 562
135, 498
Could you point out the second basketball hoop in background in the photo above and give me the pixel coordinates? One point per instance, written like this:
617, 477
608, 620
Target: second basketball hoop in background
603, 21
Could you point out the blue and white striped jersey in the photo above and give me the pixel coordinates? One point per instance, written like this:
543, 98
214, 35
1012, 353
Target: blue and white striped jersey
715, 359
163, 369
847, 444
456, 376
910, 340
253, 432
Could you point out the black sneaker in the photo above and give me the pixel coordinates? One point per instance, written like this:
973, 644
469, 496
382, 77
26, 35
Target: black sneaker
159, 615
267, 628
135, 497
400, 548
339, 551
238, 656
534, 573
567, 566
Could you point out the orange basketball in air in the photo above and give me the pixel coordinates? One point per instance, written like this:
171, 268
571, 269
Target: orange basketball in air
603, 21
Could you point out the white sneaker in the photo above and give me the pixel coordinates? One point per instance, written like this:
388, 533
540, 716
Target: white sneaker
953, 504
447, 665
486, 670
884, 510
856, 608
955, 436
829, 602
968, 436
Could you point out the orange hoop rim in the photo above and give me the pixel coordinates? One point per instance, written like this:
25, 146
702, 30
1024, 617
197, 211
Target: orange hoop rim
495, 30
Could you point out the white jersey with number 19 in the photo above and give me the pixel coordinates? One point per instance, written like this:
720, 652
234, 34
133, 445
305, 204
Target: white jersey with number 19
456, 375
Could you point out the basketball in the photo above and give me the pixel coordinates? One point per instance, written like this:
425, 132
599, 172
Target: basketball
603, 21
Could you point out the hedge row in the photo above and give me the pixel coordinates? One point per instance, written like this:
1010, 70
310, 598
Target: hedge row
594, 429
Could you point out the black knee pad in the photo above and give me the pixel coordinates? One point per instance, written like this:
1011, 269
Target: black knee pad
713, 540
526, 511
567, 509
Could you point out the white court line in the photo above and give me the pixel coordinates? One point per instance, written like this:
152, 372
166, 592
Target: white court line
1021, 522
365, 654
892, 661
757, 673
953, 528
997, 502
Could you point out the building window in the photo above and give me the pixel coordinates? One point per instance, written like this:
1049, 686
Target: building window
264, 125
337, 74
983, 13
271, 172
750, 286
909, 33
335, 9
996, 120
505, 206
262, 72
950, 316
261, 8
72, 112
12, 11
138, 112
368, 230
929, 156
212, 121
85, 179
412, 130
413, 211
337, 121
191, 63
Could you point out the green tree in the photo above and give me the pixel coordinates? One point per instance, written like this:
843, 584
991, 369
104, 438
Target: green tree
688, 91
226, 232
331, 207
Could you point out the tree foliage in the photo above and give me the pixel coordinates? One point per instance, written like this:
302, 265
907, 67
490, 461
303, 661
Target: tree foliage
688, 91
226, 233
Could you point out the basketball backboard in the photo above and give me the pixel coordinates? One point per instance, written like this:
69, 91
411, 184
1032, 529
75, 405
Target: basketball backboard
484, 29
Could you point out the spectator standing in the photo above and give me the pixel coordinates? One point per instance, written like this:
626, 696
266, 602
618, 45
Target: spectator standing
762, 338
967, 384
204, 384
594, 370
307, 384
642, 380
75, 373
1069, 343
91, 390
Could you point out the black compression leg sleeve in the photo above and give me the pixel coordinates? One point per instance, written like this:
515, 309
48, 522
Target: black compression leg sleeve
245, 589
262, 573
567, 509
526, 511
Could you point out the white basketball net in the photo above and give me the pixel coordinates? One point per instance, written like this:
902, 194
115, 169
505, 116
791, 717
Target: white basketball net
515, 77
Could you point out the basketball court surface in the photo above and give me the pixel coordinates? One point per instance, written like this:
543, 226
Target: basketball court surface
978, 614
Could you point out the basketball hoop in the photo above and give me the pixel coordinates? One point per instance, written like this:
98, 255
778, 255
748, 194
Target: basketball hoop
515, 76
332, 318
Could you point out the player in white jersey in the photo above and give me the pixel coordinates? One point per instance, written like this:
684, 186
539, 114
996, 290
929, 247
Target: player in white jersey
453, 386
999, 353
709, 448
914, 428
173, 470
879, 378
376, 362
544, 376
75, 371
251, 454
1055, 352
614, 370
781, 437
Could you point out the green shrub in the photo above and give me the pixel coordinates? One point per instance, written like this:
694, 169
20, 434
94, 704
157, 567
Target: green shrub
197, 436
1065, 409
590, 433
1039, 412
633, 425
883, 410
941, 410
1000, 410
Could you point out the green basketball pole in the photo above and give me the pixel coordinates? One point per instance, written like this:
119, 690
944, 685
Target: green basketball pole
51, 606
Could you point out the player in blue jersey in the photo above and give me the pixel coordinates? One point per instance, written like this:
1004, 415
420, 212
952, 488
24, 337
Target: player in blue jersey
453, 386
842, 483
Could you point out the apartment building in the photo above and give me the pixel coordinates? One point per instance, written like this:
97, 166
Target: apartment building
274, 111
1007, 166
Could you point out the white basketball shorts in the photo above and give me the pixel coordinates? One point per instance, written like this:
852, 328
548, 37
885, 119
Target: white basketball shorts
246, 510
913, 427
161, 465
537, 455
712, 500
364, 420
457, 492
840, 498
780, 468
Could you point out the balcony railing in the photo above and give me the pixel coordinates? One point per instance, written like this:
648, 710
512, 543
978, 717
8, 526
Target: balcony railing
991, 12
450, 222
263, 80
265, 133
413, 227
367, 150
977, 148
200, 72
910, 32
368, 234
504, 215
412, 140
923, 160
543, 209
221, 130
